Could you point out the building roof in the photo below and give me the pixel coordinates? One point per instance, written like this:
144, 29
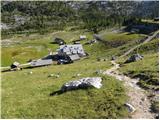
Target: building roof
16, 63
72, 49
74, 57
41, 62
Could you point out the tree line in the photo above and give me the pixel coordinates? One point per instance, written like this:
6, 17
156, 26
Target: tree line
91, 15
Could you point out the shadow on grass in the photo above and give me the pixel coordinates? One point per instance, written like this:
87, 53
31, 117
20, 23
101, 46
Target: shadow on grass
59, 92
53, 43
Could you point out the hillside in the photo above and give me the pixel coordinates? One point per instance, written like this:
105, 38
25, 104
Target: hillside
38, 85
47, 16
129, 89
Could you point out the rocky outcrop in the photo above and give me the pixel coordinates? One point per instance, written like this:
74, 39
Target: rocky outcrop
82, 83
134, 58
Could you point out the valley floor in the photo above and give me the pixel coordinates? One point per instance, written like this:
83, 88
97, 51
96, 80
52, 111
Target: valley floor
26, 93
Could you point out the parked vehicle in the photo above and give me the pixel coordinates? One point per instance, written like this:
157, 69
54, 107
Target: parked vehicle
64, 61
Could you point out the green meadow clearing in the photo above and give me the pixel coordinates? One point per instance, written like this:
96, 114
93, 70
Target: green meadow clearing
26, 95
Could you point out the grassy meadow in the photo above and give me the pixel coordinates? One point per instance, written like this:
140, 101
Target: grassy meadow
26, 95
147, 68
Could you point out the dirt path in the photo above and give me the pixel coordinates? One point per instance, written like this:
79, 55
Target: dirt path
138, 98
145, 41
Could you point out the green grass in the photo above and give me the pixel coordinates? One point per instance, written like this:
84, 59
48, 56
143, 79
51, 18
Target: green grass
148, 48
155, 106
117, 44
26, 95
146, 69
125, 36
34, 46
21, 54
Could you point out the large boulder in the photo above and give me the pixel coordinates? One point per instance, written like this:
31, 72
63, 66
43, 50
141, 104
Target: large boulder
134, 58
82, 83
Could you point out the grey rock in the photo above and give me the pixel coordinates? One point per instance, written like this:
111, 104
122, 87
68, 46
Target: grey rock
76, 75
57, 76
53, 75
130, 108
99, 71
134, 58
30, 72
113, 58
82, 83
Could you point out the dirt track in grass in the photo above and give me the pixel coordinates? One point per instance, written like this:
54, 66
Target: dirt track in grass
138, 98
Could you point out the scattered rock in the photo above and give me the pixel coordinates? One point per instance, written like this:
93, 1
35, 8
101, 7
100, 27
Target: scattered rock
30, 72
82, 37
101, 59
82, 83
143, 99
157, 117
90, 42
99, 71
140, 103
134, 58
53, 75
130, 108
113, 58
57, 76
77, 75
104, 59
